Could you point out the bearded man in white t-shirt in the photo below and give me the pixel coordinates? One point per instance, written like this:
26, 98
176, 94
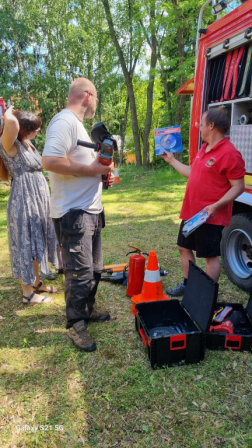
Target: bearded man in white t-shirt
76, 208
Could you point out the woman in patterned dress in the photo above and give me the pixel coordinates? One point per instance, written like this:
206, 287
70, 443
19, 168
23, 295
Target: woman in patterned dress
30, 228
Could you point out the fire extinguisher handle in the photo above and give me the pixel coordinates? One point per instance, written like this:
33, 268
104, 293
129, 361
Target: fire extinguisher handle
136, 251
132, 252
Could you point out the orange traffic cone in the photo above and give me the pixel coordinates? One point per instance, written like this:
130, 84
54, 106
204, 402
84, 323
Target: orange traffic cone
117, 178
152, 286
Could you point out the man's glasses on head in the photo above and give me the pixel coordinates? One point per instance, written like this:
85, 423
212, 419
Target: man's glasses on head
91, 94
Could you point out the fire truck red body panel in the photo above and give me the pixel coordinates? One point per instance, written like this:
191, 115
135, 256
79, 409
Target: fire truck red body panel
231, 24
232, 31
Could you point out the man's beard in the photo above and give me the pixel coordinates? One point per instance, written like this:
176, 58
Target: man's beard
88, 112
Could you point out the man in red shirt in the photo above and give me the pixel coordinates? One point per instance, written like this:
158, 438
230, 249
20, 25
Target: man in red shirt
215, 180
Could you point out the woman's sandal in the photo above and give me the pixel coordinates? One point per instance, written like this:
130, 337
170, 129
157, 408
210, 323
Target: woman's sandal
38, 291
29, 298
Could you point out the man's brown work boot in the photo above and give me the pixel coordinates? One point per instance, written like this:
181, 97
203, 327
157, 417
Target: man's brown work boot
99, 316
81, 338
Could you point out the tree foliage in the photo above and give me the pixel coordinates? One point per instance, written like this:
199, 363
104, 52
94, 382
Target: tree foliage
137, 53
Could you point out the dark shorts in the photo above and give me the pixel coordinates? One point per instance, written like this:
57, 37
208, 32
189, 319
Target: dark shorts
205, 240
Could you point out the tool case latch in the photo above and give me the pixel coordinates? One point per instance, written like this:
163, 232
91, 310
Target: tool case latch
178, 342
233, 342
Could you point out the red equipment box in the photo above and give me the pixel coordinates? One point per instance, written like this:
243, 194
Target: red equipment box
241, 338
173, 331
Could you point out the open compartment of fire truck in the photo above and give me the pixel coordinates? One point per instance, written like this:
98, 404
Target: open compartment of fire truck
230, 85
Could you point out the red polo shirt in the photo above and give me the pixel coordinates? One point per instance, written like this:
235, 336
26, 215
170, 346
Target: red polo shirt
209, 180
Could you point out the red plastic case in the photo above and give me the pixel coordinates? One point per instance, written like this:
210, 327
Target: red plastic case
173, 331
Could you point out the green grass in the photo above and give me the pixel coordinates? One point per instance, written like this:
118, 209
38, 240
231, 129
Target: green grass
111, 397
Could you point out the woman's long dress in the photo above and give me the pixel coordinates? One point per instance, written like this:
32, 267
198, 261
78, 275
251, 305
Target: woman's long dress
30, 228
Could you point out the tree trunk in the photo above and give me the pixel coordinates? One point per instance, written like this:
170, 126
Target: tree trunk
124, 130
156, 48
167, 97
153, 63
148, 121
128, 81
181, 101
19, 56
99, 82
21, 70
180, 40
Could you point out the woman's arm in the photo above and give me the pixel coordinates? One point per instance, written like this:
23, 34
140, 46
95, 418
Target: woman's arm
237, 188
11, 130
184, 170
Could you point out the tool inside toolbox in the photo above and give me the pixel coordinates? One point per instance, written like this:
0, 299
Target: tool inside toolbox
159, 331
230, 320
163, 322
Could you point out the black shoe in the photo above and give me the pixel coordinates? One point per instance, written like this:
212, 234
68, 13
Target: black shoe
177, 291
97, 316
81, 338
51, 276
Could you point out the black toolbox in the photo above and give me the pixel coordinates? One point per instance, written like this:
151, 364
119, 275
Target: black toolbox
240, 339
173, 331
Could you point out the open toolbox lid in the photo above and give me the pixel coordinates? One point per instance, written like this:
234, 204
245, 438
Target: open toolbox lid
249, 307
200, 296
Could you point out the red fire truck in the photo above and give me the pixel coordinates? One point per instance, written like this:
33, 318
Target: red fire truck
223, 75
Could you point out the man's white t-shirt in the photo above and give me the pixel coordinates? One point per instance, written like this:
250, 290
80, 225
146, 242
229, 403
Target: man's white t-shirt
68, 192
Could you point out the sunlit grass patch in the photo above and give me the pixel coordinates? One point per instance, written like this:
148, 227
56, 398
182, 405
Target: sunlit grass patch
111, 397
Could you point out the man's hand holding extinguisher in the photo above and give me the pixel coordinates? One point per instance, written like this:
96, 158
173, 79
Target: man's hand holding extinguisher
111, 178
105, 145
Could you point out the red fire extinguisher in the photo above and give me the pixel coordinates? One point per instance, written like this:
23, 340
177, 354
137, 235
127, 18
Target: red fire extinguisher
136, 272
